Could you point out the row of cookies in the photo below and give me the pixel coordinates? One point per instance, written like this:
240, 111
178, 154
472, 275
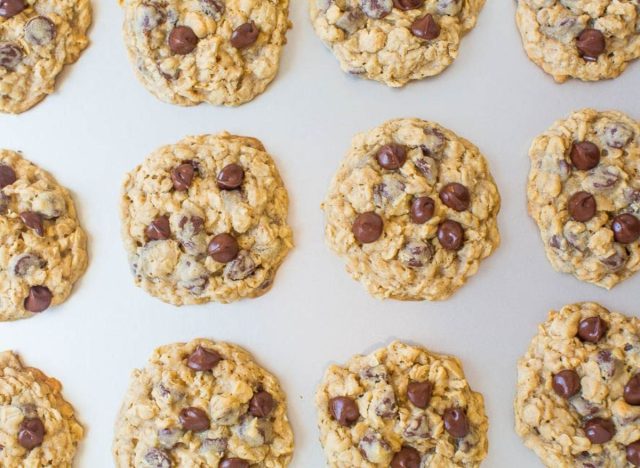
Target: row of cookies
226, 52
206, 403
412, 210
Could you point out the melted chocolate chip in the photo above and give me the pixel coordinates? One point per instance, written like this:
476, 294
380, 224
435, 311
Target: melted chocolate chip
633, 453
234, 463
33, 220
422, 209
626, 228
40, 31
590, 44
159, 229
230, 177
7, 175
455, 196
157, 458
599, 430
223, 248
582, 206
419, 393
10, 55
261, 404
451, 235
182, 40
408, 4
426, 28
584, 155
10, 8
392, 156
31, 433
182, 176
344, 410
592, 329
194, 419
407, 457
367, 227
245, 35
203, 359
566, 383
456, 422
38, 300
632, 391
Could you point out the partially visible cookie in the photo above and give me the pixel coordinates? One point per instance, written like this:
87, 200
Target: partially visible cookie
584, 194
203, 403
580, 38
223, 52
401, 407
413, 210
394, 41
37, 39
205, 220
44, 249
578, 394
38, 427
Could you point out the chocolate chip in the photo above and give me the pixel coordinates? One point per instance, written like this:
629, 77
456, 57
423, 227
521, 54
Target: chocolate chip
626, 228
33, 221
182, 176
407, 457
157, 458
582, 206
455, 422
230, 177
633, 453
419, 393
234, 463
632, 391
7, 175
422, 209
245, 35
26, 263
10, 8
391, 156
451, 235
213, 8
159, 229
584, 155
599, 430
455, 196
241, 267
344, 410
223, 248
203, 359
590, 44
31, 433
261, 404
10, 55
566, 383
182, 40
425, 28
376, 9
592, 329
194, 419
40, 31
408, 4
38, 300
367, 227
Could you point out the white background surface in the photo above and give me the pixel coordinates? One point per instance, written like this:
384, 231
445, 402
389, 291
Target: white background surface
101, 123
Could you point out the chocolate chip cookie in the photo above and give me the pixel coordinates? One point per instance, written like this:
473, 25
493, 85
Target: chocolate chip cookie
413, 210
580, 38
578, 395
205, 220
37, 39
203, 403
38, 427
394, 41
584, 194
224, 52
44, 249
401, 407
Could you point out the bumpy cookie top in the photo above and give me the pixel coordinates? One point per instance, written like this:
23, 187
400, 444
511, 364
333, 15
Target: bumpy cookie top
585, 39
43, 250
37, 38
203, 404
401, 407
37, 427
413, 210
219, 51
584, 193
578, 394
394, 41
206, 219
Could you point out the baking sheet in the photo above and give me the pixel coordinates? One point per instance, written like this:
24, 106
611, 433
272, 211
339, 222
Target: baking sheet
101, 122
